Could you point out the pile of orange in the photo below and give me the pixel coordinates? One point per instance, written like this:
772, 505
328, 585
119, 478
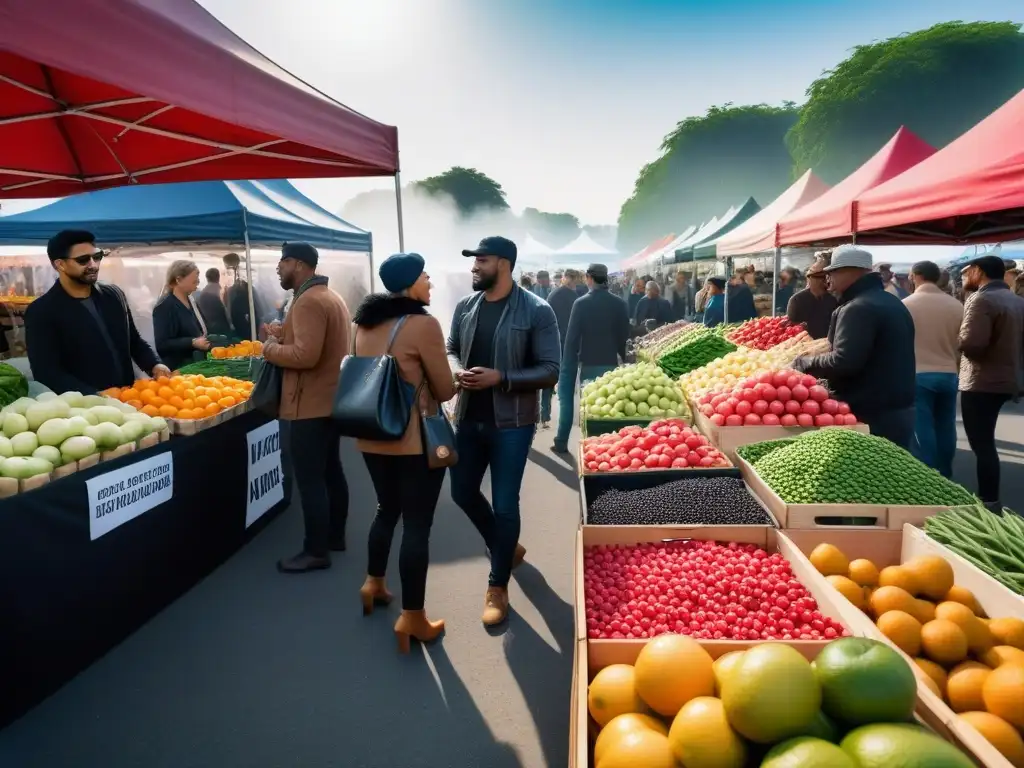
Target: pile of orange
184, 397
241, 349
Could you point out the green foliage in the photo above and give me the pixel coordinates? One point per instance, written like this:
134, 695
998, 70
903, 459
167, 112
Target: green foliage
709, 163
553, 229
471, 190
938, 82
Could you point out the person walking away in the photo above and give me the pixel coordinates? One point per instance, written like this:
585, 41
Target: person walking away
991, 364
678, 295
814, 305
308, 349
542, 288
871, 362
80, 334
211, 305
407, 488
889, 282
937, 317
785, 291
561, 301
236, 299
652, 307
595, 343
179, 328
714, 308
504, 348
741, 300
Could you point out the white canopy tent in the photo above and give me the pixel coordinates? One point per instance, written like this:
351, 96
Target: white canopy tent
584, 247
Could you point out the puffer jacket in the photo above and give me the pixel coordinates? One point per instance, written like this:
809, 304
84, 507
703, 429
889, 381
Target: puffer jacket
992, 341
527, 352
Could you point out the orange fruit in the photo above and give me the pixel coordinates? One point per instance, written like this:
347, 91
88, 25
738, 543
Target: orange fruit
886, 599
612, 692
935, 673
202, 401
979, 638
168, 411
1003, 654
136, 404
151, 410
924, 611
176, 401
958, 594
185, 415
226, 402
621, 726
903, 630
159, 402
671, 670
212, 409
964, 686
944, 642
163, 380
1003, 694
848, 589
932, 574
864, 572
129, 394
1000, 734
190, 394
112, 392
165, 392
188, 404
898, 576
145, 395
1008, 631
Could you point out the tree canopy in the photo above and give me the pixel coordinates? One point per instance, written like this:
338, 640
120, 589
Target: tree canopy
938, 82
709, 163
553, 229
470, 189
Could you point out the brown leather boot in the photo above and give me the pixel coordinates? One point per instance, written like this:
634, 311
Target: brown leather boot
495, 606
374, 592
519, 556
415, 624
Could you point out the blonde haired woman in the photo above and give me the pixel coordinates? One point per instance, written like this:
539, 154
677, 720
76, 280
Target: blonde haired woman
178, 326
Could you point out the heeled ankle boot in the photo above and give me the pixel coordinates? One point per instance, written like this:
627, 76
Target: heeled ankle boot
519, 556
374, 592
416, 625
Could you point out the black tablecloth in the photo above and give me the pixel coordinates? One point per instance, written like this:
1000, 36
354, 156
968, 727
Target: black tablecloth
65, 600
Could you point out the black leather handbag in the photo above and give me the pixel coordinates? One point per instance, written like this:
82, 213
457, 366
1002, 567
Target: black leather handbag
437, 433
266, 391
372, 401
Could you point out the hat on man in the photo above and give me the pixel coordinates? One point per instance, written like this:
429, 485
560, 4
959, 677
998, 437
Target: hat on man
495, 245
598, 271
303, 252
992, 266
849, 256
817, 269
400, 270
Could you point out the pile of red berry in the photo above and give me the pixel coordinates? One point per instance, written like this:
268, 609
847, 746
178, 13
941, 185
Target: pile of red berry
665, 444
775, 398
765, 332
704, 589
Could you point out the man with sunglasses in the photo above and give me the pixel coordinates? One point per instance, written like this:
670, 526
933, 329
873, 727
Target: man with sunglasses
80, 334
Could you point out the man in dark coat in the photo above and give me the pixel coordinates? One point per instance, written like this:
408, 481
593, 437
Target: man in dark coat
741, 301
212, 305
653, 307
561, 300
871, 364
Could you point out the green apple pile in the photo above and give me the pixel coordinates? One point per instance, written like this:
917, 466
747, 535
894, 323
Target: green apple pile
639, 391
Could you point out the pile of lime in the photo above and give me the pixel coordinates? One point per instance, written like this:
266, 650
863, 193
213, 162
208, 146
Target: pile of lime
840, 466
753, 452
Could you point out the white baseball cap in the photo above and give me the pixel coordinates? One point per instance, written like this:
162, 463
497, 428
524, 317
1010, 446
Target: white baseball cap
849, 256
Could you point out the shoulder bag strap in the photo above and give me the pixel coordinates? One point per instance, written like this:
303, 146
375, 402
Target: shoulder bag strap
394, 333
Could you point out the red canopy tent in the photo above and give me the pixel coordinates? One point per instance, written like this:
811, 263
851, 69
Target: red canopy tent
829, 218
972, 191
638, 258
100, 93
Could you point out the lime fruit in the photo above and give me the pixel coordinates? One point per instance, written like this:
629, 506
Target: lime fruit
807, 752
864, 681
885, 745
823, 727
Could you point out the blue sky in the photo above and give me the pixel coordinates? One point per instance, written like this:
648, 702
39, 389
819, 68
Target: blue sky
562, 101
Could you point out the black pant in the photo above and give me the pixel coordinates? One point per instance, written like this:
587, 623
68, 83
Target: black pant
980, 411
320, 481
895, 426
408, 489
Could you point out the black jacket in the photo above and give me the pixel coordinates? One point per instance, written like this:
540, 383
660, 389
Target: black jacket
213, 310
66, 350
238, 309
657, 309
598, 329
561, 301
871, 365
526, 352
741, 304
174, 327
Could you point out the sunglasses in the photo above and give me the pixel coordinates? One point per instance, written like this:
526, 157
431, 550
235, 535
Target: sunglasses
83, 260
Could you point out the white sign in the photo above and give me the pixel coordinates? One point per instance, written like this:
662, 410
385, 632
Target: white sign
266, 480
124, 494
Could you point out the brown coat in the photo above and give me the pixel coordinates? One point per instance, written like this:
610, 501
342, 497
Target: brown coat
992, 341
419, 349
316, 337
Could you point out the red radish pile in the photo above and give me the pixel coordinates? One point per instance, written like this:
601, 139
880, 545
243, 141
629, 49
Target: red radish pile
704, 589
765, 332
775, 398
665, 444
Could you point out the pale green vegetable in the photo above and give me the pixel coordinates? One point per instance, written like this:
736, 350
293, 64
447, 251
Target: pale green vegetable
77, 425
90, 401
107, 436
78, 447
50, 453
14, 423
24, 443
124, 407
108, 413
54, 431
143, 419
22, 467
73, 399
20, 405
44, 411
159, 423
133, 430
86, 414
6, 449
43, 397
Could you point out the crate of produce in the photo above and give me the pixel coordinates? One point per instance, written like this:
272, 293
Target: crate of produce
592, 427
630, 394
835, 476
919, 597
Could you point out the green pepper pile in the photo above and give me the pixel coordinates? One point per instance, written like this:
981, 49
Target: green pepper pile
699, 350
839, 466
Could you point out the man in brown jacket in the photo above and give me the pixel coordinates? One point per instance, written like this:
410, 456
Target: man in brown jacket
992, 365
309, 347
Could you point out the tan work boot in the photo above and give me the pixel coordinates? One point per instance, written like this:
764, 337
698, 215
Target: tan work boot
495, 606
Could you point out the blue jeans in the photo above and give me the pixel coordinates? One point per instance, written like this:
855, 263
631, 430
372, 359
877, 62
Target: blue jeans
567, 396
545, 403
505, 451
935, 422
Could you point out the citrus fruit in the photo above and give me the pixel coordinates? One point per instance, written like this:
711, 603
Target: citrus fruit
644, 747
849, 589
1003, 693
958, 594
903, 629
807, 752
933, 671
822, 727
964, 686
979, 636
723, 665
1000, 734
924, 611
1008, 631
864, 681
885, 745
898, 576
621, 725
701, 736
829, 560
944, 642
886, 599
928, 683
864, 572
671, 670
612, 692
933, 575
771, 694
1002, 654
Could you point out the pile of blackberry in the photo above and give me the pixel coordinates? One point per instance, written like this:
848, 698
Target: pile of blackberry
690, 501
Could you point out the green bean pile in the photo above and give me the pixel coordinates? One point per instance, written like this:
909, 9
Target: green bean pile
993, 543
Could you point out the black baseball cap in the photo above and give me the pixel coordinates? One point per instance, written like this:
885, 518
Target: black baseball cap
495, 245
301, 252
992, 266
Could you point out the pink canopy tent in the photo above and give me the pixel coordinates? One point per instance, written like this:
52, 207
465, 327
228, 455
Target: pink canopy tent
760, 231
830, 217
971, 191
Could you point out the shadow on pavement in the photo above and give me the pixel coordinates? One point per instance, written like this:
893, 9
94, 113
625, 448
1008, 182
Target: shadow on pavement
562, 467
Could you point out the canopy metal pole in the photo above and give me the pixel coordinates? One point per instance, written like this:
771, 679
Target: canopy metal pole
398, 203
248, 278
369, 255
776, 267
728, 284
